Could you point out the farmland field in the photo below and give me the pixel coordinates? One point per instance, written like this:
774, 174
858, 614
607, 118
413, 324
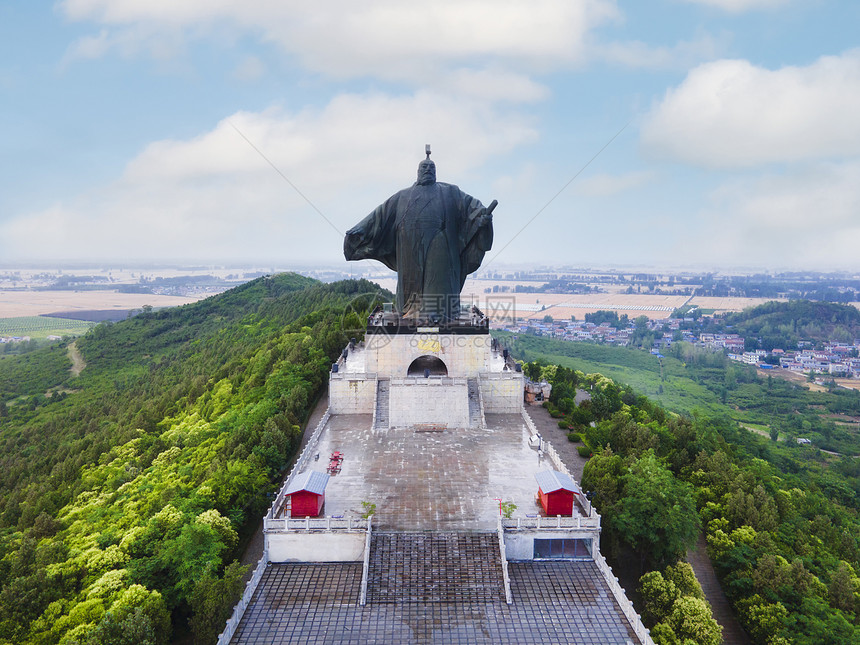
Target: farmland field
22, 302
40, 327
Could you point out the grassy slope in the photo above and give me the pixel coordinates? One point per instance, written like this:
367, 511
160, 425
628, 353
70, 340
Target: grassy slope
636, 368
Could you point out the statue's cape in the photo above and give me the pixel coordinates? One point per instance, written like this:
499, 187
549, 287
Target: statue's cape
375, 237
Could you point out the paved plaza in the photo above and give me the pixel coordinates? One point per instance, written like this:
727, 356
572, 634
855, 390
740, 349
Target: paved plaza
442, 583
554, 603
426, 478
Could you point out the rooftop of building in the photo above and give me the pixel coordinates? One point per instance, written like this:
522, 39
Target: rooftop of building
554, 602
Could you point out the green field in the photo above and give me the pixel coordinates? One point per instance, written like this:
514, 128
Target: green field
668, 383
40, 327
693, 381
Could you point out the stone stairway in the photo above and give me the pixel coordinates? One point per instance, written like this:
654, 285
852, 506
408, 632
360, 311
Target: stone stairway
475, 420
431, 567
381, 416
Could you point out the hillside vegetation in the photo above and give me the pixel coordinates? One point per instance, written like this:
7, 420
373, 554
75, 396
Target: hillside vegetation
783, 324
123, 492
781, 520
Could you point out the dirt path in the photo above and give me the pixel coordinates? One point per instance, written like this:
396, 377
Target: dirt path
78, 362
733, 633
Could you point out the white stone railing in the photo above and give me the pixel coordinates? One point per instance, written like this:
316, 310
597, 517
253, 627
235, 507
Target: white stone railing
481, 404
239, 609
346, 374
502, 552
430, 380
529, 423
299, 465
306, 524
365, 567
500, 376
549, 523
375, 401
550, 451
627, 608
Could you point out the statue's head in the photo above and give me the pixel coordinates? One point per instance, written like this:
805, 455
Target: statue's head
426, 172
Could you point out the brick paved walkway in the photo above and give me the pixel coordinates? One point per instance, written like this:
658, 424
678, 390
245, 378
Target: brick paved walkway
733, 633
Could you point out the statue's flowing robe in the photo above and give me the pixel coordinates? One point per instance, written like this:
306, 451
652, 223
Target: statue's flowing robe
433, 236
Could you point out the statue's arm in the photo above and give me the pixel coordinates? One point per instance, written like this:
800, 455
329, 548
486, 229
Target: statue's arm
476, 235
478, 229
373, 237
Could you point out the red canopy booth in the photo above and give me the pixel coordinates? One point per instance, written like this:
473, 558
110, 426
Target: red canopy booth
556, 492
307, 494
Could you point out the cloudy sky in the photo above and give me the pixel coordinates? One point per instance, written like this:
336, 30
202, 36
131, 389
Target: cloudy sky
259, 130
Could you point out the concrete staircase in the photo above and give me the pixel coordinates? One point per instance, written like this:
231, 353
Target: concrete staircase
475, 418
380, 417
430, 567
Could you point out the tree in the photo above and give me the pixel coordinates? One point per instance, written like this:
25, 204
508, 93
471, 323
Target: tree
682, 574
658, 514
602, 476
844, 589
212, 602
658, 597
691, 619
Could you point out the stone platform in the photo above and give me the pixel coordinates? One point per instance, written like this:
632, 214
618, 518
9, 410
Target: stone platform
426, 478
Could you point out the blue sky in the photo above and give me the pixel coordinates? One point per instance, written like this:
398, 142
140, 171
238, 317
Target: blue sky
125, 128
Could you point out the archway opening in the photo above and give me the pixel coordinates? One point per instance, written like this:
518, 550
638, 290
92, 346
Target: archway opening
427, 366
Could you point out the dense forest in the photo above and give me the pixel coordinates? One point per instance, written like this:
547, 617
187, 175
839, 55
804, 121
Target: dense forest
784, 324
781, 520
124, 491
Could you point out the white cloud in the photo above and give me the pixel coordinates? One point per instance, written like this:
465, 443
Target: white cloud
638, 55
214, 196
604, 185
737, 6
730, 113
803, 217
492, 85
386, 39
250, 69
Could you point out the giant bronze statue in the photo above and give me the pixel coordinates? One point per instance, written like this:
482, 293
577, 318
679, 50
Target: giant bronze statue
433, 235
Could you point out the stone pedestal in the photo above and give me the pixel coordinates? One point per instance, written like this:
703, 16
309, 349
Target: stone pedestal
429, 401
458, 355
421, 375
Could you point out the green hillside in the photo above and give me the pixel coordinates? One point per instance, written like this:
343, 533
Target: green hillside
124, 492
784, 324
782, 521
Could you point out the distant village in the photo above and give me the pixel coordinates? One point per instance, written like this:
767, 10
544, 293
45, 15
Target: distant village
834, 359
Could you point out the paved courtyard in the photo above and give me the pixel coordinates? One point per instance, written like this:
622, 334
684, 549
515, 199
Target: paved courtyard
428, 479
554, 602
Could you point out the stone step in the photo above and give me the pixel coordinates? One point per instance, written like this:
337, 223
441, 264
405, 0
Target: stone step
430, 567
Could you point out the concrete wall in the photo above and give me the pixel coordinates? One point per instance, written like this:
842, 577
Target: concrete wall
520, 545
503, 393
429, 400
351, 395
301, 546
465, 355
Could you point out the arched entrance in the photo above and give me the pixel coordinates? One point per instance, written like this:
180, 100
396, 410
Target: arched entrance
434, 364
